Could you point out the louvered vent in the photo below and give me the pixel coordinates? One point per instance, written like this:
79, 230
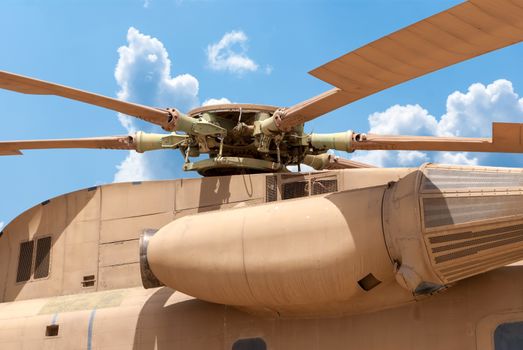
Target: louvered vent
441, 179
295, 189
320, 186
473, 219
271, 188
441, 211
25, 261
43, 249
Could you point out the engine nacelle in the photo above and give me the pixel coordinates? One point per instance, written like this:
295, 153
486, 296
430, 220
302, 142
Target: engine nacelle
348, 251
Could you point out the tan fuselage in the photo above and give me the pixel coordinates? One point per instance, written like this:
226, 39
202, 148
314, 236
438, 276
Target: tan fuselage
291, 252
464, 317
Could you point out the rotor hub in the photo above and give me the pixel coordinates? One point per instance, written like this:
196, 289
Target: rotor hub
244, 147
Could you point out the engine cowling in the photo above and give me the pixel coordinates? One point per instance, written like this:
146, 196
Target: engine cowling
326, 254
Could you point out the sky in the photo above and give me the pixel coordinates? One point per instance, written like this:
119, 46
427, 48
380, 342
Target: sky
183, 53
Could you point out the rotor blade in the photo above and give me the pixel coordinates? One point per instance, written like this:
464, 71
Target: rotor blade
506, 138
460, 33
26, 85
313, 108
112, 142
336, 162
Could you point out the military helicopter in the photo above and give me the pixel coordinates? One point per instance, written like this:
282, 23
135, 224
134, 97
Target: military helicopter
251, 256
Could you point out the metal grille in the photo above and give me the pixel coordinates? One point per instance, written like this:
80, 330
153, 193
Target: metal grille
295, 189
481, 264
43, 249
475, 247
462, 254
324, 186
25, 261
487, 204
444, 179
458, 210
271, 188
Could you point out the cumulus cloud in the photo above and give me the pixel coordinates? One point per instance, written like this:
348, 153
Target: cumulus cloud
457, 158
401, 120
468, 114
143, 73
230, 54
471, 114
1, 225
133, 168
216, 101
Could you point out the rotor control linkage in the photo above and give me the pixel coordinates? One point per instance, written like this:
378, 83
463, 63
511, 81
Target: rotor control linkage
178, 121
144, 142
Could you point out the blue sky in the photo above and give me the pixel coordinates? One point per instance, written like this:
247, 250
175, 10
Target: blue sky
76, 43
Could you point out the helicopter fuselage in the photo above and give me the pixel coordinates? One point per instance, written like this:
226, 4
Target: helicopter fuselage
73, 276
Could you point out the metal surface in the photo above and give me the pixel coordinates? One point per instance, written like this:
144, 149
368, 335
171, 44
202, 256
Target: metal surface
232, 107
112, 142
149, 280
33, 86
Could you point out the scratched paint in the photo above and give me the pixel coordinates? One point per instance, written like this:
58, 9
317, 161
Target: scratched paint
90, 301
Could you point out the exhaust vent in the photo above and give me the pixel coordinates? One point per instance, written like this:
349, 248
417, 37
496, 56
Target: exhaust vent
149, 280
468, 220
473, 219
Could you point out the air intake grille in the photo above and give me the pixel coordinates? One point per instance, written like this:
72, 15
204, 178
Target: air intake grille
43, 248
298, 185
324, 186
271, 188
295, 189
25, 261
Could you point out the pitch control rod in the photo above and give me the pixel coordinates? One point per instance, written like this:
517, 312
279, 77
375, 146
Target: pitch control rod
506, 138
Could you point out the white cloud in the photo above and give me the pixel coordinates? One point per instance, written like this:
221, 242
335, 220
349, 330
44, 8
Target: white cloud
143, 73
1, 225
401, 120
229, 54
456, 158
391, 159
133, 168
216, 101
468, 114
407, 158
377, 158
471, 114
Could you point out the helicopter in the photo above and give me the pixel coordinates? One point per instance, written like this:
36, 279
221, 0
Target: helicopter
251, 256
